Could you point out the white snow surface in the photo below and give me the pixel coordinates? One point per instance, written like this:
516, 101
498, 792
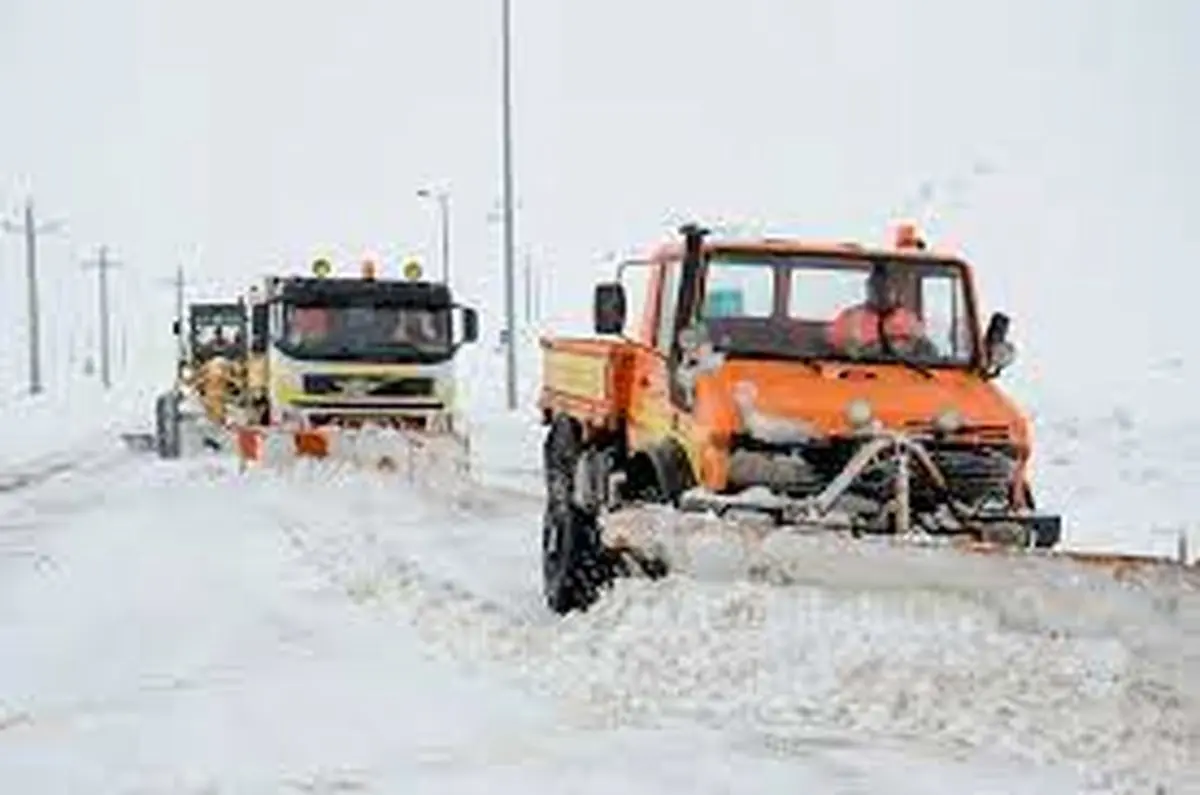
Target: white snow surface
184, 627
56, 429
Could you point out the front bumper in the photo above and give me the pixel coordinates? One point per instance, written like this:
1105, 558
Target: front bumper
412, 415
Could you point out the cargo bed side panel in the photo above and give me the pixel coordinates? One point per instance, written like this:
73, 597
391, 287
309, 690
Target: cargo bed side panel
586, 378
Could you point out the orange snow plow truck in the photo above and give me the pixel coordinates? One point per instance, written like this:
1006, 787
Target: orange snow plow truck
821, 386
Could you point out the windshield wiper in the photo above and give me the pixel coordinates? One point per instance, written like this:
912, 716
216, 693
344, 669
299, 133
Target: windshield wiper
812, 362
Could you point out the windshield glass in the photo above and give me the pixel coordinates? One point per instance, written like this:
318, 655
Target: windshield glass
216, 332
810, 306
365, 332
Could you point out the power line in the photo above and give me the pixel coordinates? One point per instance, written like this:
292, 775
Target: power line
31, 230
103, 264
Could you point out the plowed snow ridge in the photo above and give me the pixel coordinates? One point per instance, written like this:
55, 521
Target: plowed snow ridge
1041, 662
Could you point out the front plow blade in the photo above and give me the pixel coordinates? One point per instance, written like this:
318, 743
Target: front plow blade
384, 450
751, 546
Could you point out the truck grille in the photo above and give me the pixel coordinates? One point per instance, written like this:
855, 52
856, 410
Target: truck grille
368, 386
972, 471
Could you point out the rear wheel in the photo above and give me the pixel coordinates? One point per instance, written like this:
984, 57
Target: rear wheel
575, 566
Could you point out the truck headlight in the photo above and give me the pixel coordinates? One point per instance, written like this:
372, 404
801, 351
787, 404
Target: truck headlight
948, 420
859, 413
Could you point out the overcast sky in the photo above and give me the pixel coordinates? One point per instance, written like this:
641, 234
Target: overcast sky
241, 136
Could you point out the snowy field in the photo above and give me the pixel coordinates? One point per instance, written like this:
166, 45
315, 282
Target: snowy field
185, 627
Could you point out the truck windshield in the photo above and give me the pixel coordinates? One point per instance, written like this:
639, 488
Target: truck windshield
829, 307
365, 332
217, 331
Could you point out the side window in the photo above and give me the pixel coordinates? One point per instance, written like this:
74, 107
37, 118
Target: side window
738, 291
818, 295
943, 309
635, 278
667, 306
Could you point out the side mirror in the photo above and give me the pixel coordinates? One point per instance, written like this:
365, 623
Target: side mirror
999, 351
470, 324
608, 308
997, 329
175, 327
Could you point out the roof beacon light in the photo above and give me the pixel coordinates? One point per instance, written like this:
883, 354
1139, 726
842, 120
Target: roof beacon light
321, 268
907, 236
368, 269
412, 269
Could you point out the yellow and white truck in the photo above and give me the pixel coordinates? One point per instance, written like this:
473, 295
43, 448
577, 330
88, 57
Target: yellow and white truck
330, 352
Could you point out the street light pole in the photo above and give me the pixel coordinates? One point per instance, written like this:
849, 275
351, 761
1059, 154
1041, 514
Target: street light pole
443, 201
510, 321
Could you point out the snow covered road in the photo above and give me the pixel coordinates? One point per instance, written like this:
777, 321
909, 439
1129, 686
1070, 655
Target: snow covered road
186, 628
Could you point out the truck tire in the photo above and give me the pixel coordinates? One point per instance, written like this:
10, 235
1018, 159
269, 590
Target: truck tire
574, 565
167, 440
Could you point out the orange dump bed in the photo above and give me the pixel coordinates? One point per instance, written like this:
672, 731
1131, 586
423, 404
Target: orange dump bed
587, 378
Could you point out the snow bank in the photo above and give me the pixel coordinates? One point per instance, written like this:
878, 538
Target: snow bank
48, 429
972, 661
197, 630
1122, 481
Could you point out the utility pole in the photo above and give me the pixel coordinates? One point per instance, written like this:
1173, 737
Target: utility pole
442, 197
510, 321
178, 282
31, 231
103, 264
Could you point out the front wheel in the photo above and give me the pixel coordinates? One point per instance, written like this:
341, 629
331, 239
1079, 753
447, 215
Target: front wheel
1047, 531
575, 566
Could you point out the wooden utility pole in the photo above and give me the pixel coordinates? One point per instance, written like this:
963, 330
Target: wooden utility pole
31, 231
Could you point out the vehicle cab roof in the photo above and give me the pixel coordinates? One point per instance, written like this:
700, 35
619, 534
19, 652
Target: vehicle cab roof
777, 246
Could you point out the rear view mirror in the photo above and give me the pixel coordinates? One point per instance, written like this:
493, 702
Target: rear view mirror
997, 329
470, 324
608, 308
998, 350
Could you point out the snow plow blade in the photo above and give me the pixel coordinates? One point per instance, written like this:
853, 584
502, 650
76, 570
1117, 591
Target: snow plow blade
651, 541
764, 537
380, 449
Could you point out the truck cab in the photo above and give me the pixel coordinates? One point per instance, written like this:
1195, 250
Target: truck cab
344, 350
735, 362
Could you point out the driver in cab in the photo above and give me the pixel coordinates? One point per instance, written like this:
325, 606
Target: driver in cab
414, 328
881, 321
